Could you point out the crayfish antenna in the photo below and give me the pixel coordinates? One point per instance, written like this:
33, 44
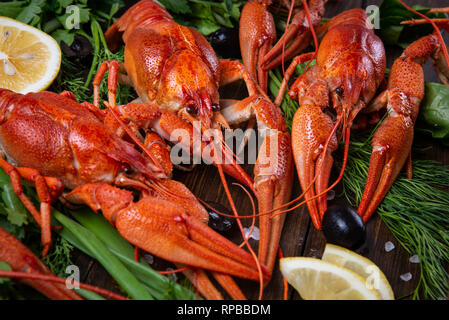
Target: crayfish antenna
55, 279
287, 35
439, 10
253, 206
239, 223
139, 143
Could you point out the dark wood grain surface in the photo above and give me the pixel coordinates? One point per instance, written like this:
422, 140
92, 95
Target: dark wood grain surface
299, 237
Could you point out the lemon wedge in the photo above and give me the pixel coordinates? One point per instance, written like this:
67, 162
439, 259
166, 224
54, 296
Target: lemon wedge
29, 58
315, 279
360, 265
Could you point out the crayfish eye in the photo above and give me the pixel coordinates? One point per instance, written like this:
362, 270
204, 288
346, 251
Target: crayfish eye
126, 169
191, 110
339, 91
215, 107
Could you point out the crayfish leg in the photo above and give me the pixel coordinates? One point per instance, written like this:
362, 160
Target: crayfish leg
48, 189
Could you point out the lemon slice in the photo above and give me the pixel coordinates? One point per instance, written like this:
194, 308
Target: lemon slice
362, 266
29, 58
315, 279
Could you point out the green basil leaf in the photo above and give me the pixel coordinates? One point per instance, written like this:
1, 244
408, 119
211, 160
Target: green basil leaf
64, 35
176, 6
435, 110
5, 267
205, 27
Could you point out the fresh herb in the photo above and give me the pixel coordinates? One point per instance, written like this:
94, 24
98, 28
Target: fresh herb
414, 210
205, 16
88, 242
176, 6
392, 13
62, 19
13, 215
59, 257
72, 78
435, 111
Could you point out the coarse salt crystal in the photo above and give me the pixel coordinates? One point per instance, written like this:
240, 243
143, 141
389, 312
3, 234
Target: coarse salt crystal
389, 246
406, 276
414, 259
254, 234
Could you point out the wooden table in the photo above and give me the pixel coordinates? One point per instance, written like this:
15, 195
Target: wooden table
299, 237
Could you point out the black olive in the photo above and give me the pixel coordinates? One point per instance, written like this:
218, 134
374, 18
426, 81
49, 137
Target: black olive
218, 222
226, 43
80, 48
344, 227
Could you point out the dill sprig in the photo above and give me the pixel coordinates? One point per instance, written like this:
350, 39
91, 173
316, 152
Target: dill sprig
71, 78
415, 211
60, 257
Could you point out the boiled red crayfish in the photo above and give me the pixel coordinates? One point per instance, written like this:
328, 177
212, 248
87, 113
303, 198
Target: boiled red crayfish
54, 142
174, 68
350, 65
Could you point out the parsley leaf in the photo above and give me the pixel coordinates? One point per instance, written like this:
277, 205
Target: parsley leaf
176, 6
11, 9
30, 14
